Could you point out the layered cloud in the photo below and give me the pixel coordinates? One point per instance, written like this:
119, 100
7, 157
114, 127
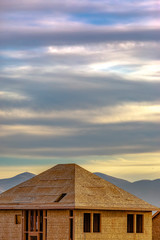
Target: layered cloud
79, 81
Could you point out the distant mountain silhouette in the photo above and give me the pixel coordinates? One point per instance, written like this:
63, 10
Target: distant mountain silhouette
148, 190
7, 183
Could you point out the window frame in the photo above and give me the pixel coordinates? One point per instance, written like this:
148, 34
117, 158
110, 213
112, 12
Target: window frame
137, 224
140, 225
130, 225
99, 222
39, 229
85, 225
18, 219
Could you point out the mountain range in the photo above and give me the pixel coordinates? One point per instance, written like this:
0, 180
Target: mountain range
148, 190
8, 183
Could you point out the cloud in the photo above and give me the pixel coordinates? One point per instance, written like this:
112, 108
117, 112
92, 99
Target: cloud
36, 37
126, 112
131, 167
79, 80
11, 96
70, 6
54, 6
129, 60
36, 131
68, 91
86, 140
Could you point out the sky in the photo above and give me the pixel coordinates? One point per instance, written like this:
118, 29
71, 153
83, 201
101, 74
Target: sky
79, 83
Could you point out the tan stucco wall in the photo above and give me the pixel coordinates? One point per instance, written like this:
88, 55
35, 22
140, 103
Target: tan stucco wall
8, 229
113, 226
156, 227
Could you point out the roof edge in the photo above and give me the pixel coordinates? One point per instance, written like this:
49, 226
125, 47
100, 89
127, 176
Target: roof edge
51, 207
154, 215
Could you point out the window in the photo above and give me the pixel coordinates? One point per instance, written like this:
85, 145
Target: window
96, 222
71, 213
135, 223
130, 223
33, 237
35, 224
60, 197
17, 219
41, 220
94, 218
71, 225
87, 222
71, 228
32, 220
139, 223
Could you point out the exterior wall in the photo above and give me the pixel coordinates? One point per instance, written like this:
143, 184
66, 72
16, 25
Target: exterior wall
113, 226
8, 229
57, 225
156, 227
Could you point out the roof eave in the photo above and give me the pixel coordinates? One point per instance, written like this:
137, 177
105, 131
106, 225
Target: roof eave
71, 206
157, 213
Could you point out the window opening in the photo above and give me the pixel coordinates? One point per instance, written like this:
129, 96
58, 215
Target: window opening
96, 222
26, 236
60, 197
17, 219
26, 221
71, 229
41, 220
71, 213
33, 237
45, 224
41, 236
87, 222
139, 223
35, 225
71, 225
130, 223
36, 220
32, 221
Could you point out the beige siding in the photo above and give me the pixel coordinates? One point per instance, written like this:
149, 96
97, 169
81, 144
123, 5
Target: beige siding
156, 227
57, 225
8, 229
113, 226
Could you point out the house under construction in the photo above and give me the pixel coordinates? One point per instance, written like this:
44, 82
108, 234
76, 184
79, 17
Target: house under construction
156, 226
67, 202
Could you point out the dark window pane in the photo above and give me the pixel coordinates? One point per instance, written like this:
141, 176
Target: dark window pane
46, 227
41, 220
71, 229
139, 223
96, 222
26, 236
36, 220
71, 213
87, 222
26, 225
130, 227
33, 238
41, 236
32, 220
